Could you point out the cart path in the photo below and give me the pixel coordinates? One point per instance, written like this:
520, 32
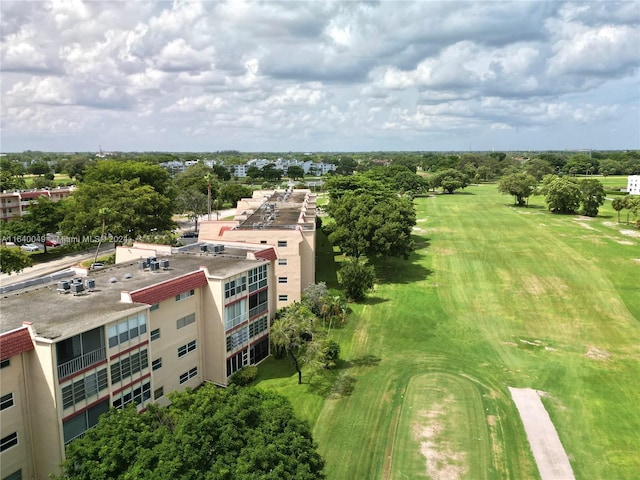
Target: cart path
552, 460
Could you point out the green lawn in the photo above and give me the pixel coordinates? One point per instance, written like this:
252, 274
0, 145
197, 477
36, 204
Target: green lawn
495, 296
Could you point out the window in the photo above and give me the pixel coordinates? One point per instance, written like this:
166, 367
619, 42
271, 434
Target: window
155, 306
184, 321
282, 279
237, 338
6, 401
282, 243
190, 374
184, 349
8, 441
84, 388
235, 314
263, 241
236, 362
257, 278
5, 363
184, 295
137, 394
282, 261
129, 364
155, 334
234, 287
156, 364
283, 298
258, 303
17, 475
258, 326
158, 392
128, 329
259, 351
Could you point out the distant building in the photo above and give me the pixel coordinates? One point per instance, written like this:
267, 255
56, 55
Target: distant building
16, 204
633, 184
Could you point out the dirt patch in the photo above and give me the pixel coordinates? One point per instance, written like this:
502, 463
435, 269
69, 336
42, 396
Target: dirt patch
625, 242
533, 286
631, 233
637, 260
442, 461
491, 420
598, 354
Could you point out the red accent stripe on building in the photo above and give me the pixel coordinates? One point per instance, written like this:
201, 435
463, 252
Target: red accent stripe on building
15, 342
162, 291
129, 349
132, 383
267, 254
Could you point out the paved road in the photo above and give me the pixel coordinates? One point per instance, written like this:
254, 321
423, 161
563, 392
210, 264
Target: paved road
552, 460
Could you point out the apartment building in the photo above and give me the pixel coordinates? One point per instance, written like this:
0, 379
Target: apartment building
16, 204
633, 184
284, 220
161, 319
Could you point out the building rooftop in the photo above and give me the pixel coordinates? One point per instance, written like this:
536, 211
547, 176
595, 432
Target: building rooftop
55, 314
282, 210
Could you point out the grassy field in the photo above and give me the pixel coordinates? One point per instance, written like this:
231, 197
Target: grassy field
494, 296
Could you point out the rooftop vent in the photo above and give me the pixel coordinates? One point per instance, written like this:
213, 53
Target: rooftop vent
203, 248
113, 280
90, 284
154, 266
164, 264
127, 276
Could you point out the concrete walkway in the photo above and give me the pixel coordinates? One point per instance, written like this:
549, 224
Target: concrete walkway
552, 460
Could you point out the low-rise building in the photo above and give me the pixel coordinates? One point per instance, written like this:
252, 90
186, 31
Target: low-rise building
161, 319
633, 184
16, 204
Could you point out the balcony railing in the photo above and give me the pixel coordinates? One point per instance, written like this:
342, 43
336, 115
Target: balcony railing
83, 361
258, 309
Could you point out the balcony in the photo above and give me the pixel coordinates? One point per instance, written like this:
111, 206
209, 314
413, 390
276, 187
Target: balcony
258, 309
81, 362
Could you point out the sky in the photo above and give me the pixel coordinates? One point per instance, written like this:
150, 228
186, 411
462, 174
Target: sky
311, 76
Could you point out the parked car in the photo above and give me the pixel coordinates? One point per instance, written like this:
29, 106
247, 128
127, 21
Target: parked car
97, 266
30, 247
52, 243
190, 235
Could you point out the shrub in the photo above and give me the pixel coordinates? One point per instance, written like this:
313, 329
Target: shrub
244, 376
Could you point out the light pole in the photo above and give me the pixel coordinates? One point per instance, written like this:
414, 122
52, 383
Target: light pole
208, 178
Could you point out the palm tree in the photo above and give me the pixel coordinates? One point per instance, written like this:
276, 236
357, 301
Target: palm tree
103, 212
292, 334
618, 204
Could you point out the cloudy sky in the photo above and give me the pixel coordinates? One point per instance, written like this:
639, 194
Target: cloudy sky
319, 75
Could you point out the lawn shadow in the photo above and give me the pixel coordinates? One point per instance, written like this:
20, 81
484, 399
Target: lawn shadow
275, 368
400, 271
326, 266
338, 382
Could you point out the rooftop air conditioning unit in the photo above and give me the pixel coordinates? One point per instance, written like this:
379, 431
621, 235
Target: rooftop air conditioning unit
90, 283
77, 288
63, 286
164, 264
203, 248
154, 266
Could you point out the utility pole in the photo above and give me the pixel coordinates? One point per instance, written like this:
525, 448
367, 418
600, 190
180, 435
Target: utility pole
208, 178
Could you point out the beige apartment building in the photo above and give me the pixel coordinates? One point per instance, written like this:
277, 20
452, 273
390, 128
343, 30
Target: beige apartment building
16, 204
284, 220
159, 320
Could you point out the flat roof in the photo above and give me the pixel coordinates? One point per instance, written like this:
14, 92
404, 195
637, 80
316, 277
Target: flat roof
281, 209
54, 314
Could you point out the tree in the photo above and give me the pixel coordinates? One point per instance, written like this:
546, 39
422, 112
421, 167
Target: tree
538, 167
593, 196
377, 223
295, 172
356, 278
520, 185
562, 194
192, 203
44, 216
135, 210
270, 173
617, 204
12, 259
115, 172
254, 172
450, 180
292, 334
232, 192
194, 178
238, 433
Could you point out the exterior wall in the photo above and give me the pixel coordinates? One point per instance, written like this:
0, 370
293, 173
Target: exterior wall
172, 338
45, 417
16, 204
16, 419
633, 184
213, 334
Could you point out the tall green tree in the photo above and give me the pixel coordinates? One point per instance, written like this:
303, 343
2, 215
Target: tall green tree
450, 180
212, 433
193, 204
563, 195
293, 334
356, 278
593, 196
43, 217
295, 172
12, 259
520, 185
232, 192
617, 204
